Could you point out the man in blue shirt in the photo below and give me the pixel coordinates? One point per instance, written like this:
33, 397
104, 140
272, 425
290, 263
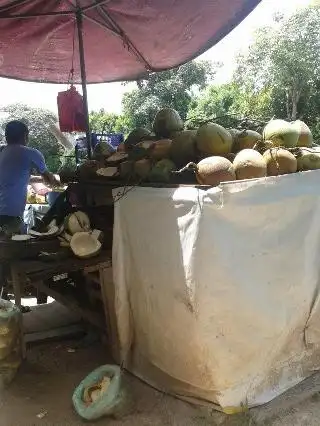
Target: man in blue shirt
16, 163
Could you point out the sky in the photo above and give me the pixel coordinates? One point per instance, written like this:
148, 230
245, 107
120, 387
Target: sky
109, 96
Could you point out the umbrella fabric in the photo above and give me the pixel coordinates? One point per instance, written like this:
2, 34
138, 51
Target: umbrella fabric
123, 39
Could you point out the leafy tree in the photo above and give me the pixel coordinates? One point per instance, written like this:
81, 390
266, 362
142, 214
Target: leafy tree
228, 104
174, 88
285, 60
104, 122
40, 136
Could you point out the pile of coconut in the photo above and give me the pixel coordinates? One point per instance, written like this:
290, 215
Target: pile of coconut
208, 155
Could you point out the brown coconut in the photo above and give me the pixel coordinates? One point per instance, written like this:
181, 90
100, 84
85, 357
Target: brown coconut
280, 161
249, 164
214, 170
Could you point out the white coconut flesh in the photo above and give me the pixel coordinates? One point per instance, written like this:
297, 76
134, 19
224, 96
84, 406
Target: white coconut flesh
53, 230
97, 234
84, 245
77, 222
107, 171
21, 237
117, 156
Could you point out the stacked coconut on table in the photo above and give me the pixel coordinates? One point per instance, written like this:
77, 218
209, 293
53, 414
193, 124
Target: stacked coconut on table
208, 155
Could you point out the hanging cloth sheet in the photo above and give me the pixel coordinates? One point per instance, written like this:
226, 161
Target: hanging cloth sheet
71, 111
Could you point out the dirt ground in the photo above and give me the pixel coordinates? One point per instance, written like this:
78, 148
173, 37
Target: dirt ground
41, 395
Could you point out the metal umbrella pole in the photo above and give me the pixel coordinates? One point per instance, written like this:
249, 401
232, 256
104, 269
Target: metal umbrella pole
79, 20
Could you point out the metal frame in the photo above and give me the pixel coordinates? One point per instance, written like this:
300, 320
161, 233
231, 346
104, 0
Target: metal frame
79, 13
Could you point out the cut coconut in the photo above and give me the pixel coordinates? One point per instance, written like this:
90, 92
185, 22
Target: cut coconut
107, 171
21, 237
117, 157
51, 232
85, 245
77, 222
98, 235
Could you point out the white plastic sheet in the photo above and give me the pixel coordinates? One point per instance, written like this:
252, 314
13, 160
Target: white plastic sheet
217, 291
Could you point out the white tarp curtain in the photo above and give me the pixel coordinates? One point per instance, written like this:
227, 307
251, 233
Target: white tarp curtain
217, 291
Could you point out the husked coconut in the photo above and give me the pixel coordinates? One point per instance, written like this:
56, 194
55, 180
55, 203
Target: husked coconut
214, 170
305, 136
249, 164
213, 139
281, 133
280, 162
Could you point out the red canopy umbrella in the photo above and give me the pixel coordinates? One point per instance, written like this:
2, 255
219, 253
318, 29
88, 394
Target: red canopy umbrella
115, 39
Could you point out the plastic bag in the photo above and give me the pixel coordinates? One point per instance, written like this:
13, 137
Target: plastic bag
109, 402
72, 117
10, 341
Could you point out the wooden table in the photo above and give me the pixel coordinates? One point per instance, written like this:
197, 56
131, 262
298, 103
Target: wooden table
98, 269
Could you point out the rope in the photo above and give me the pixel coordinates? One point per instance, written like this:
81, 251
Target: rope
71, 73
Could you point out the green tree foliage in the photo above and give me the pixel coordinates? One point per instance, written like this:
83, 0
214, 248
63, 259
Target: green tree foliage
285, 59
40, 137
104, 122
175, 88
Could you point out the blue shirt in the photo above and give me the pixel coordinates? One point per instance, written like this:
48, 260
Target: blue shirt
16, 163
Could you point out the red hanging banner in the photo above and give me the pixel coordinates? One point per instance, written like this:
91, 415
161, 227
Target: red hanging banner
71, 111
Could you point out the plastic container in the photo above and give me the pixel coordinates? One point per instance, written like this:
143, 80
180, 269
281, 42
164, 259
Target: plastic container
10, 341
110, 402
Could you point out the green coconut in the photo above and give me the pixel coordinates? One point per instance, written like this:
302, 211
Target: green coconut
102, 150
183, 148
281, 133
246, 139
161, 171
88, 169
136, 136
308, 159
214, 170
213, 139
305, 136
142, 168
166, 122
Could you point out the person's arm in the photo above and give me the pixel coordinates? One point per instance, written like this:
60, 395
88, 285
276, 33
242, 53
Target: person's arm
39, 163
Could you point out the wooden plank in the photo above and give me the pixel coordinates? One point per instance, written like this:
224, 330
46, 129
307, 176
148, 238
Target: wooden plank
90, 316
16, 284
38, 270
108, 296
69, 330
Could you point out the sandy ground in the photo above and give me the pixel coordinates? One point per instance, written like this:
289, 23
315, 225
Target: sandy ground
41, 395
